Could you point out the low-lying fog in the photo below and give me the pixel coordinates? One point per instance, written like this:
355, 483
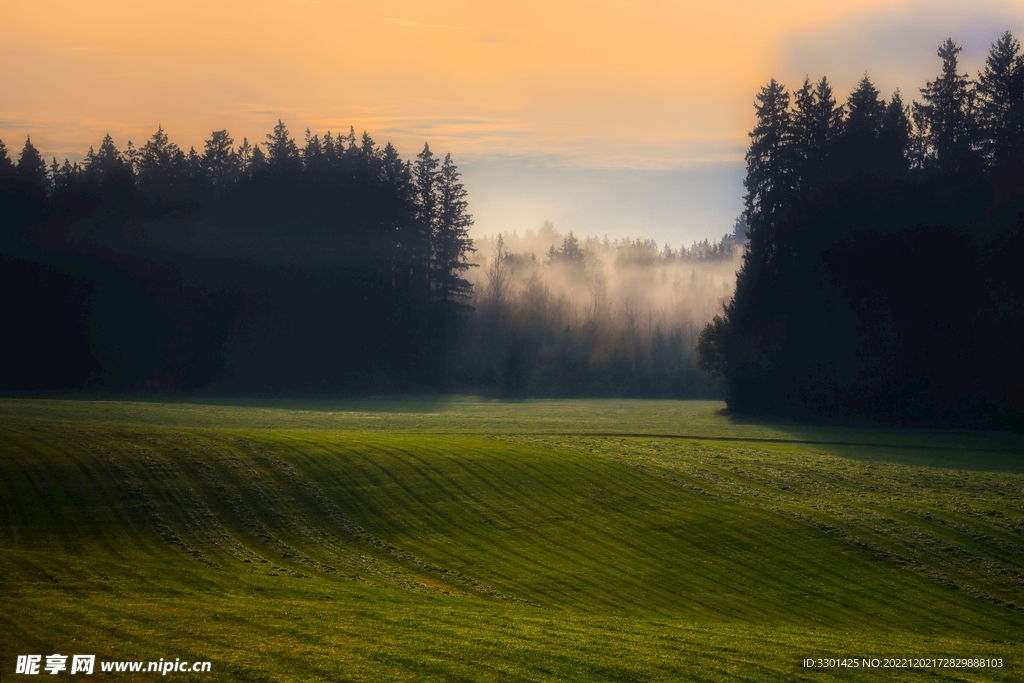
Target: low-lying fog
598, 278
562, 315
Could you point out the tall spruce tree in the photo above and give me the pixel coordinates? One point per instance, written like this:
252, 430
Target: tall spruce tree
452, 243
6, 165
1001, 102
769, 179
53, 179
396, 178
282, 153
816, 122
896, 128
425, 176
130, 159
194, 170
155, 156
330, 150
829, 116
368, 161
244, 155
106, 163
160, 166
802, 124
258, 163
31, 168
865, 109
61, 176
946, 117
314, 158
221, 165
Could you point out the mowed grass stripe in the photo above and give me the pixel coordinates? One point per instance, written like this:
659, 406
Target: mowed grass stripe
838, 511
567, 563
425, 517
608, 562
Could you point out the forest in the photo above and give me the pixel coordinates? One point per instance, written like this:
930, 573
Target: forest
334, 266
882, 277
251, 268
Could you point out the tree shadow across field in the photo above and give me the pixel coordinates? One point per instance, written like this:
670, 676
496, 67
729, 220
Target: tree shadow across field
412, 403
864, 440
318, 404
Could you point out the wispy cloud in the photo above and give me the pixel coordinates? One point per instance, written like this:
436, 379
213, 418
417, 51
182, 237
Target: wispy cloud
897, 45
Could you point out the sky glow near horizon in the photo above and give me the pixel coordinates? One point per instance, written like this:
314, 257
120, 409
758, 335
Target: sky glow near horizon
605, 117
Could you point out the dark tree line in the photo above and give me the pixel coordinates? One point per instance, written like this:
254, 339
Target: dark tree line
882, 276
251, 267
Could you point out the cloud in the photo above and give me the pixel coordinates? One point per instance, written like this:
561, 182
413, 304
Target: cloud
897, 46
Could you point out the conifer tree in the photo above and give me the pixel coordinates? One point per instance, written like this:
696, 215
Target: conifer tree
313, 158
101, 166
130, 159
349, 140
331, 151
31, 168
896, 128
816, 122
159, 165
829, 116
220, 162
452, 243
369, 159
1001, 101
406, 248
425, 177
6, 165
802, 124
194, 164
282, 152
396, 173
946, 118
570, 253
53, 183
244, 156
865, 109
61, 176
155, 156
769, 178
258, 164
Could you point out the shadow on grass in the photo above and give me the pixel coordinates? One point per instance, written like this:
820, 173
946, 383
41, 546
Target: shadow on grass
966, 459
865, 440
312, 403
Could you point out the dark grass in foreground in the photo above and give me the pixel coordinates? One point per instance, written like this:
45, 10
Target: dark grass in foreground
344, 542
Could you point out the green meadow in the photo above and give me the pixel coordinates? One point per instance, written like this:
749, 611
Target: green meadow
471, 540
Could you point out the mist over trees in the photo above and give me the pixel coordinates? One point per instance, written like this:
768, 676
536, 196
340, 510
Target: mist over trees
882, 275
561, 316
238, 267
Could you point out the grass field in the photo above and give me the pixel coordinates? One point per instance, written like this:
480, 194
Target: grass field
463, 540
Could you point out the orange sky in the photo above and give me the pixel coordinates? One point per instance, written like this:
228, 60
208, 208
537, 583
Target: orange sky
641, 84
